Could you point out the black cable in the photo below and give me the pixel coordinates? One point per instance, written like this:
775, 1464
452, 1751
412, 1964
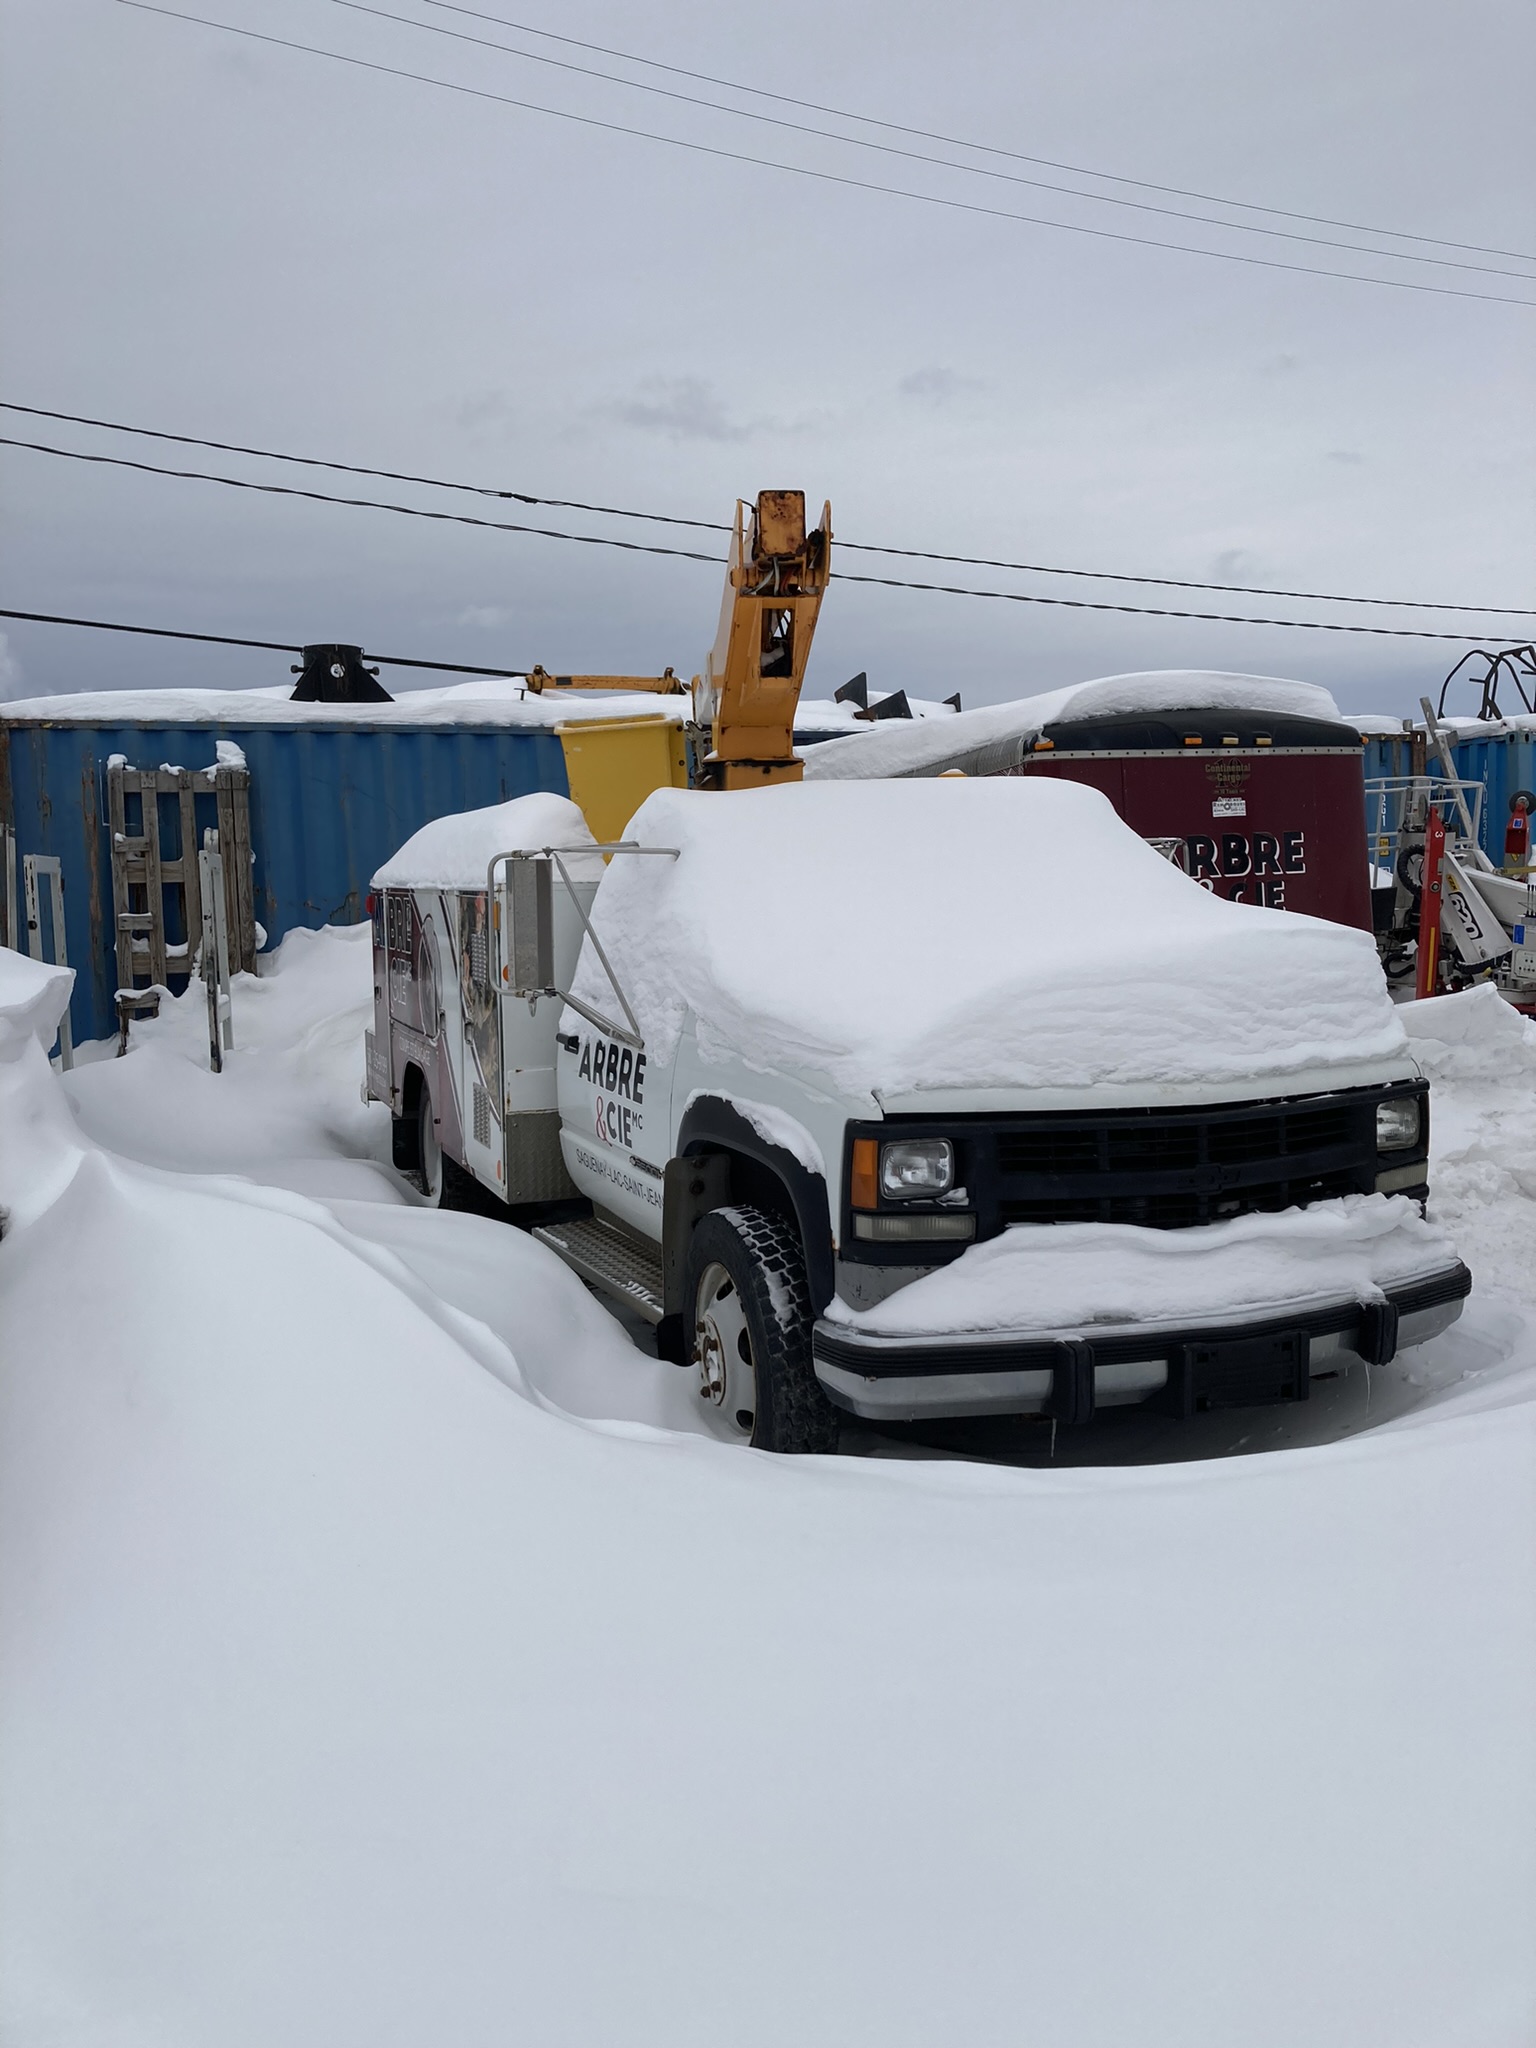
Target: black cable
703, 525
398, 476
459, 668
913, 155
235, 483
1320, 220
1397, 284
1083, 604
1415, 604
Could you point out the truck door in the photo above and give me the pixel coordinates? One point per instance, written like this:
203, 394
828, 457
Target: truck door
615, 1121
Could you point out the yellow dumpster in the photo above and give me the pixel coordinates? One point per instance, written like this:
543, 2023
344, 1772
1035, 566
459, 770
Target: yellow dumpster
613, 764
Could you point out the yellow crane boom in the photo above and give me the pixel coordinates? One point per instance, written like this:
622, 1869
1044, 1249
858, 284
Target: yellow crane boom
776, 577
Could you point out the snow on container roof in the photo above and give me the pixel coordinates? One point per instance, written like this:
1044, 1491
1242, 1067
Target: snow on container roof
487, 701
905, 936
897, 748
454, 852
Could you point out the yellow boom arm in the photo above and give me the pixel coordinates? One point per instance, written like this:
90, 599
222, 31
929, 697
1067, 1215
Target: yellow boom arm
666, 685
775, 580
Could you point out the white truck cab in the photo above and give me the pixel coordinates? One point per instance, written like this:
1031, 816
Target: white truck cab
913, 1099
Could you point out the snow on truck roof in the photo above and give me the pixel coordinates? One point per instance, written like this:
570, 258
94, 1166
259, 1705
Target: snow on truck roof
454, 852
896, 747
900, 936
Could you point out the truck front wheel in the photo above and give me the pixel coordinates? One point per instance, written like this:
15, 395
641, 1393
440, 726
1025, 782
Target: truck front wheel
750, 1334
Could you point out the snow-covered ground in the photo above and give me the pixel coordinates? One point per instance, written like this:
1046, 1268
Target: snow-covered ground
387, 1661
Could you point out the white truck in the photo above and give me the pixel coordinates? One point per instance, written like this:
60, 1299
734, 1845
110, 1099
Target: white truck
912, 1099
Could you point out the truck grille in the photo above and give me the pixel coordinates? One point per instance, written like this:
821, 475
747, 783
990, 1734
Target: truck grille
1171, 1169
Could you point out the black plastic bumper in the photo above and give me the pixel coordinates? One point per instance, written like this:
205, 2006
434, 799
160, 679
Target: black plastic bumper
1207, 1366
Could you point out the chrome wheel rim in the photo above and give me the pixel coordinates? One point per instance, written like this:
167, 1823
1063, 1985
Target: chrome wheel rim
722, 1358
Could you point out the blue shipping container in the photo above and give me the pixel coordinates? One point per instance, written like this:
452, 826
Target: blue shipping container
1504, 761
329, 804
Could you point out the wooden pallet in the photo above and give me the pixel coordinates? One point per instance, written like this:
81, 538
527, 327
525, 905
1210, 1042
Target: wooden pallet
142, 871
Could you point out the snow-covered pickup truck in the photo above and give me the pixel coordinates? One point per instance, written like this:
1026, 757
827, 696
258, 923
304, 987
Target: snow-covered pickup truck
913, 1099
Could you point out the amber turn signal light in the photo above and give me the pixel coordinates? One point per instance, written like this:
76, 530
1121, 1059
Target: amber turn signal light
865, 1193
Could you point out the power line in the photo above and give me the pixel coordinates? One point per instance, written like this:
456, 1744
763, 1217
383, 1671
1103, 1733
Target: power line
236, 483
1413, 604
1322, 220
459, 668
1083, 604
398, 476
833, 177
912, 155
683, 554
702, 525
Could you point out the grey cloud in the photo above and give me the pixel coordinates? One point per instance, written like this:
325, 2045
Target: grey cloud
935, 385
1232, 564
1348, 456
680, 408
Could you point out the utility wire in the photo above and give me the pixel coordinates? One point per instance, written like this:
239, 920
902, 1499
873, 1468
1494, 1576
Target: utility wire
917, 156
1078, 604
782, 99
1398, 284
459, 668
398, 476
706, 525
1083, 604
236, 483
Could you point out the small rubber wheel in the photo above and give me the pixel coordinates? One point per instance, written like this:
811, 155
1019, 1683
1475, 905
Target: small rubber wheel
750, 1315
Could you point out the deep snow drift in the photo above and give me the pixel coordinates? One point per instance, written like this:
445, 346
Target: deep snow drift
350, 1693
822, 928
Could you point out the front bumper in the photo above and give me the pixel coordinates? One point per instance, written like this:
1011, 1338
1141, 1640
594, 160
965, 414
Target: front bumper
1181, 1368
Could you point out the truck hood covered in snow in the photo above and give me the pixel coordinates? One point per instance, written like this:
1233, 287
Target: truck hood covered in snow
914, 935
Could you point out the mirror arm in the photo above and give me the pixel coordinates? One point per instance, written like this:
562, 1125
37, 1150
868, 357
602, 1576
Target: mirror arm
631, 1036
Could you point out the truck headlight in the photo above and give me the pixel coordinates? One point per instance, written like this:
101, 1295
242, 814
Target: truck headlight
917, 1169
1397, 1123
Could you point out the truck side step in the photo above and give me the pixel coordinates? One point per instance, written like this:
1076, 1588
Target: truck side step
616, 1265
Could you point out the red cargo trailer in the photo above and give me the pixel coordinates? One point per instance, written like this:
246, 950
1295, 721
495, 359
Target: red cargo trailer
1261, 807
1253, 784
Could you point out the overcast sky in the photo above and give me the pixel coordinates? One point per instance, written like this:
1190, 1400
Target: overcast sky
224, 238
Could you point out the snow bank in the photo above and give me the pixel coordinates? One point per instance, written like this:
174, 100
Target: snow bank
286, 1109
901, 749
488, 700
454, 852
1480, 1056
346, 1696
349, 1698
1473, 1036
33, 994
913, 935
39, 1148
1039, 1277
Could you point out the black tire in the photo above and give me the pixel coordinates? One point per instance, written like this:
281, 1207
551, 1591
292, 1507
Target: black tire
762, 1256
452, 1186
